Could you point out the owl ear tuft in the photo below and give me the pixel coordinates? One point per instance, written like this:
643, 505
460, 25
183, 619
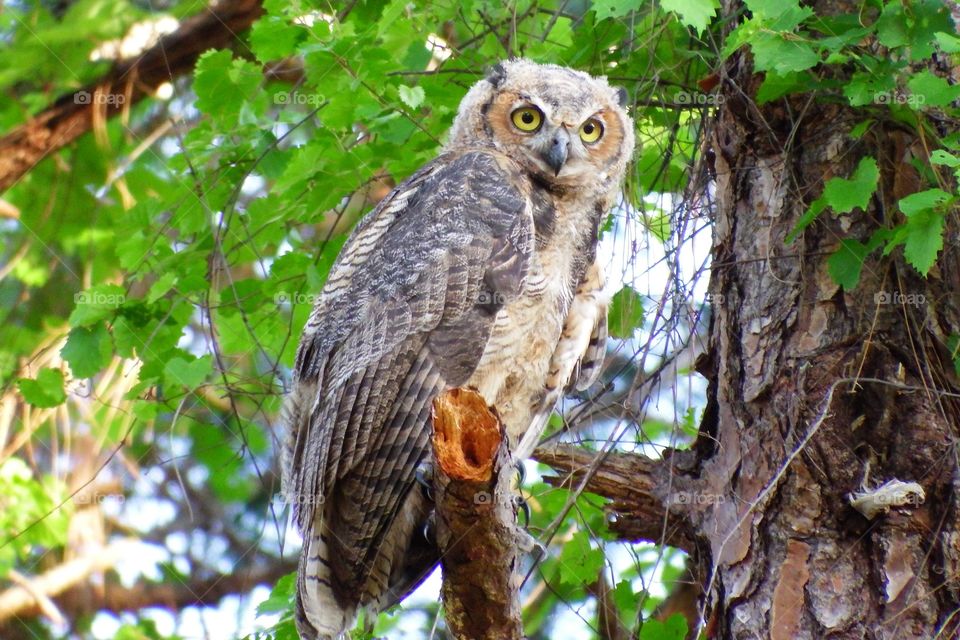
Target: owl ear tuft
497, 75
622, 97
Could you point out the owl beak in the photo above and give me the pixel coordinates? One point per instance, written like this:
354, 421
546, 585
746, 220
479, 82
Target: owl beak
556, 153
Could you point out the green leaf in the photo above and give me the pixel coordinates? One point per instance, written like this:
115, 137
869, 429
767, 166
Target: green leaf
846, 264
614, 8
411, 96
869, 87
842, 195
775, 85
281, 596
922, 201
892, 29
693, 13
579, 562
96, 303
779, 15
675, 628
845, 195
857, 132
924, 239
948, 43
626, 600
274, 38
45, 391
87, 350
939, 156
190, 374
932, 91
626, 313
781, 54
953, 344
225, 86
162, 285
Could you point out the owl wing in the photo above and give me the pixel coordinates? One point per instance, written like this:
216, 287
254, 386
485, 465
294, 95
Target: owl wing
405, 314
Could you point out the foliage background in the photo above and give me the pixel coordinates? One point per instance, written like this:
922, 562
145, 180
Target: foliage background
156, 274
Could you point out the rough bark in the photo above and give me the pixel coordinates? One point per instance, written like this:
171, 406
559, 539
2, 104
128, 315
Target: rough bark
476, 529
127, 83
817, 393
638, 490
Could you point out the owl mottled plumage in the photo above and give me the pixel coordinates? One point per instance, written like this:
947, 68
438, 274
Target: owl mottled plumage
479, 270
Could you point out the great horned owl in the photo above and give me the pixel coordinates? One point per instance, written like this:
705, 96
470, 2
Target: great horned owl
479, 270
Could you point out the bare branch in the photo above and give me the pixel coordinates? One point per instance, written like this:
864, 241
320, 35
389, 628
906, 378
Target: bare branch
18, 600
127, 83
67, 583
637, 487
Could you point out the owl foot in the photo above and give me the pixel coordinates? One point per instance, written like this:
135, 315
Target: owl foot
528, 544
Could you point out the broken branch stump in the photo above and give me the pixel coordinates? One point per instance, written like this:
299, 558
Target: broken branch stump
476, 528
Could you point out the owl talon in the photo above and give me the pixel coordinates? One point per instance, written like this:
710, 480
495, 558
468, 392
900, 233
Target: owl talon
430, 530
521, 472
424, 477
521, 505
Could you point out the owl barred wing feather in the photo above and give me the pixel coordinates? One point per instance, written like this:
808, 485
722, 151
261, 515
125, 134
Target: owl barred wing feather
406, 313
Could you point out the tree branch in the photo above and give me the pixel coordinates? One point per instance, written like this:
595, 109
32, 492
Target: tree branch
476, 529
18, 600
642, 504
74, 597
124, 85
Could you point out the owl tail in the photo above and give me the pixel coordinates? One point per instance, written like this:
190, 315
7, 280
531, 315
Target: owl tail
318, 616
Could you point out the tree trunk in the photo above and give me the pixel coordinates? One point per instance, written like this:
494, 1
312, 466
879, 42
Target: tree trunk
817, 393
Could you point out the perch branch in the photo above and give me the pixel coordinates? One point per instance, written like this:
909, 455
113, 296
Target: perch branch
476, 528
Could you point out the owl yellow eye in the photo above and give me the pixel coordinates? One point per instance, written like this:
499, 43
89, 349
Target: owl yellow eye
591, 130
527, 119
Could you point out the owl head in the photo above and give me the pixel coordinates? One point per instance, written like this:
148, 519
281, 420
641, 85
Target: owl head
566, 128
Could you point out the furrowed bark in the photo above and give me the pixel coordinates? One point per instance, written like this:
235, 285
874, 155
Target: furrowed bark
476, 529
128, 82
